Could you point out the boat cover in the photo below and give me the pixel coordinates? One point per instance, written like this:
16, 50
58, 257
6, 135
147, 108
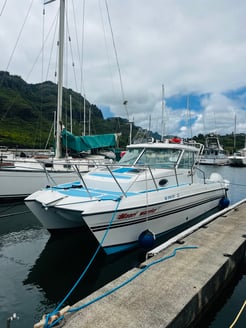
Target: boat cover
84, 143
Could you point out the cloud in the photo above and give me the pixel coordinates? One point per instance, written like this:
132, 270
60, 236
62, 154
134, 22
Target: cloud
196, 49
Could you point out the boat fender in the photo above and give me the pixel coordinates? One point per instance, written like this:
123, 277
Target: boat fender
146, 239
223, 203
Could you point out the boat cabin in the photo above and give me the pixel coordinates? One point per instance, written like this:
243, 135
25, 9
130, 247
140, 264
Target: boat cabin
161, 155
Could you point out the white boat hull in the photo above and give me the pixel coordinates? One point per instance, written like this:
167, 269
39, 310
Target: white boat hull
17, 184
130, 216
169, 216
26, 176
237, 161
214, 161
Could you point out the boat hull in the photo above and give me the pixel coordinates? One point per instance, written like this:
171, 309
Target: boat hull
214, 161
117, 224
17, 184
239, 161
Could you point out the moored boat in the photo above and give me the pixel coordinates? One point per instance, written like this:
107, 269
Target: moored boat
213, 153
22, 175
238, 158
153, 189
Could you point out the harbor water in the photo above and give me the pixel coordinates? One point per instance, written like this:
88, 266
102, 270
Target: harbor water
37, 271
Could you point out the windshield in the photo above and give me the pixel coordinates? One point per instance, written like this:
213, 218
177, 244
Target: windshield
154, 157
131, 156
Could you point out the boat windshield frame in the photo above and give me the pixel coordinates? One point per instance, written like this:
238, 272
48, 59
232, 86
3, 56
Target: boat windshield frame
153, 157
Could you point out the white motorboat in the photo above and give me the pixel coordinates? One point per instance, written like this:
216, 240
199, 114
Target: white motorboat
238, 158
153, 189
213, 153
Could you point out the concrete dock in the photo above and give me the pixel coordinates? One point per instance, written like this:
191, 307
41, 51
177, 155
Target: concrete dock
173, 292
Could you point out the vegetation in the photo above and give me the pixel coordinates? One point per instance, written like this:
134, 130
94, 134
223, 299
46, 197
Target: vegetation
27, 115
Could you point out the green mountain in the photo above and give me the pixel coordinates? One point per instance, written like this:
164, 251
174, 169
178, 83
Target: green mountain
27, 114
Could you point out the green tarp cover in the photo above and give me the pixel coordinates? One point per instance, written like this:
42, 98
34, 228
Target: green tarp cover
84, 143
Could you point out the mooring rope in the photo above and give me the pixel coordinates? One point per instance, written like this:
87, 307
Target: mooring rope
124, 283
143, 269
12, 214
238, 315
47, 325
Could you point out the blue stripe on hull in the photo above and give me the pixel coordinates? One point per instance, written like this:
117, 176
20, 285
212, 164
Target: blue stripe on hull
120, 248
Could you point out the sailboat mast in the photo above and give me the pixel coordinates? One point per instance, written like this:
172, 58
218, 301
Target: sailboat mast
162, 113
235, 133
58, 153
71, 114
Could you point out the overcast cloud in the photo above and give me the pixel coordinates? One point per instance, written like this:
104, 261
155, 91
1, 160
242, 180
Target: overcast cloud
195, 48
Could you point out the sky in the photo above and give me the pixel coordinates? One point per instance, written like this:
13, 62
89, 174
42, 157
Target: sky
179, 64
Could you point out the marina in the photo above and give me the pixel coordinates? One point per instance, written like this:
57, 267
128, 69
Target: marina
37, 271
156, 238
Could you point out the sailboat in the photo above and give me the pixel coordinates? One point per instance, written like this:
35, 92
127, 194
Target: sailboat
21, 176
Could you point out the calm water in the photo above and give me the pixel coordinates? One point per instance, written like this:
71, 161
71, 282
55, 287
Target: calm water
37, 271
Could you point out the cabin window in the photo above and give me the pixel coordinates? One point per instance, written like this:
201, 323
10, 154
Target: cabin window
153, 157
160, 158
187, 160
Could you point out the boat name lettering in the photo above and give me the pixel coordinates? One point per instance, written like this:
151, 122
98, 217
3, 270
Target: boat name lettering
148, 211
173, 196
131, 215
126, 215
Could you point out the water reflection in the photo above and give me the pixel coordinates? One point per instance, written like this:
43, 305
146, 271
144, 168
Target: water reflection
60, 264
15, 217
63, 260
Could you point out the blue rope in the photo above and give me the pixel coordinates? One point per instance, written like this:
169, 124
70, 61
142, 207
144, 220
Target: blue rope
46, 325
131, 278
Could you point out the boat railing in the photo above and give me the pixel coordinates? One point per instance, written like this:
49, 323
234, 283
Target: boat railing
141, 167
138, 169
116, 181
152, 176
203, 174
176, 174
48, 175
82, 180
